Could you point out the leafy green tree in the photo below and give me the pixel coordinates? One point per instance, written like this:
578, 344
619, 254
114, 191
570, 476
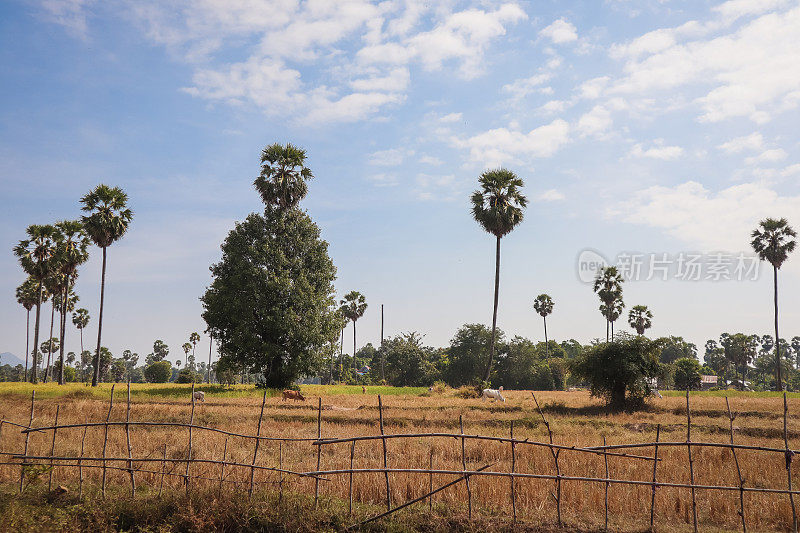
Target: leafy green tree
27, 296
714, 358
279, 261
36, 255
107, 222
640, 318
543, 305
408, 362
740, 350
80, 319
521, 367
467, 353
673, 348
498, 206
687, 373
773, 241
106, 357
572, 348
608, 287
130, 359
353, 306
620, 370
158, 372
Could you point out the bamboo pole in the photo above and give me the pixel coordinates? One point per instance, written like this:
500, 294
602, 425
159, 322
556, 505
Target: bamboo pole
605, 458
653, 495
738, 469
52, 453
189, 456
350, 485
555, 454
258, 441
385, 462
128, 440
464, 467
788, 456
222, 467
691, 463
105, 438
280, 471
319, 449
430, 482
163, 470
80, 465
513, 468
27, 439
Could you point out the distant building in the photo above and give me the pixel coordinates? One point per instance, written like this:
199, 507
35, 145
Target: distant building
707, 382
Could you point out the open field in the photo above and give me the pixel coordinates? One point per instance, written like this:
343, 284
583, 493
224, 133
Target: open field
575, 418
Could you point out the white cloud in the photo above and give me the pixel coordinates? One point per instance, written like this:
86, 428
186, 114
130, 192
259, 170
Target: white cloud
658, 151
550, 195
387, 158
695, 215
500, 146
383, 180
523, 87
395, 81
560, 31
767, 156
592, 89
554, 106
596, 122
71, 14
754, 141
451, 117
431, 160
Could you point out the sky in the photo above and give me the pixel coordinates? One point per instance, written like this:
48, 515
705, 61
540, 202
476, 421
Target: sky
652, 134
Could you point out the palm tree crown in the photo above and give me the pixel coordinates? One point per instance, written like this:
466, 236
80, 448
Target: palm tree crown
543, 305
608, 285
498, 205
354, 305
282, 182
28, 293
37, 253
773, 241
80, 318
109, 218
640, 318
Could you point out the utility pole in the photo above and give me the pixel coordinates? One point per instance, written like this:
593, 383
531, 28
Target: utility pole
383, 376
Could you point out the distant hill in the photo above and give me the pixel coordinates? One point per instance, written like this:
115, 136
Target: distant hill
8, 358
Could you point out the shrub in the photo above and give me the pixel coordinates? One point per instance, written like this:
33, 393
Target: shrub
158, 372
687, 373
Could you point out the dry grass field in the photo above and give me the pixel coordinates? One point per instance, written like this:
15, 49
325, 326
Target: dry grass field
575, 418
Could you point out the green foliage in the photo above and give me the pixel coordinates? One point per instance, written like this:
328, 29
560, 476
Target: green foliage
618, 371
408, 362
186, 375
467, 354
160, 352
543, 305
158, 372
687, 373
640, 318
270, 304
499, 203
674, 348
773, 241
108, 217
282, 181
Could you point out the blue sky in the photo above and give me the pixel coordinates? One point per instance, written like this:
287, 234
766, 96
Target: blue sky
645, 128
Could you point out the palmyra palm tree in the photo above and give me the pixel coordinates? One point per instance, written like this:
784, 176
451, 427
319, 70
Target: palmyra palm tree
36, 255
80, 319
612, 312
72, 250
773, 241
194, 338
640, 318
608, 286
282, 181
64, 307
27, 296
543, 305
498, 207
187, 347
107, 222
353, 307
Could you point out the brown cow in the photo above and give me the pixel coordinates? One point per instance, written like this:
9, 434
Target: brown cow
289, 394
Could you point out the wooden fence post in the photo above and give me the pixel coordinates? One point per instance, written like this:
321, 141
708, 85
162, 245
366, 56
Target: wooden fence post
788, 456
163, 470
605, 459
27, 439
513, 469
653, 496
258, 441
555, 454
105, 438
350, 486
280, 467
430, 482
189, 457
731, 417
385, 462
80, 463
53, 452
222, 470
128, 439
464, 467
319, 450
691, 463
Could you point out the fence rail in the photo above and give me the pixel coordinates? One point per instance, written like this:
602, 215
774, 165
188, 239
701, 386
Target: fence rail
133, 465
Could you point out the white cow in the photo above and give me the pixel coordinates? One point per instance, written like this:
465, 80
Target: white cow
199, 395
495, 394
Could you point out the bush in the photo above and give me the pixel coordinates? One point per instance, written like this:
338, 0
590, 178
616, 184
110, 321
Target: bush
158, 372
186, 375
467, 391
687, 373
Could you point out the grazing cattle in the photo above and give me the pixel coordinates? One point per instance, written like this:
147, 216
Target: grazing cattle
363, 390
199, 395
495, 394
655, 393
293, 395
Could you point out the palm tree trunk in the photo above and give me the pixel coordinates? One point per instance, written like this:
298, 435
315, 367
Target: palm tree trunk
210, 345
354, 346
50, 341
96, 374
612, 331
34, 377
61, 331
777, 338
607, 321
494, 312
546, 347
341, 356
27, 342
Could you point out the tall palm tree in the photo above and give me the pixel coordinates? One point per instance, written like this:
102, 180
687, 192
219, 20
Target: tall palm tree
612, 312
194, 338
608, 286
64, 307
80, 319
73, 252
640, 318
353, 307
543, 305
282, 181
187, 347
107, 222
27, 296
773, 241
36, 256
210, 347
498, 207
